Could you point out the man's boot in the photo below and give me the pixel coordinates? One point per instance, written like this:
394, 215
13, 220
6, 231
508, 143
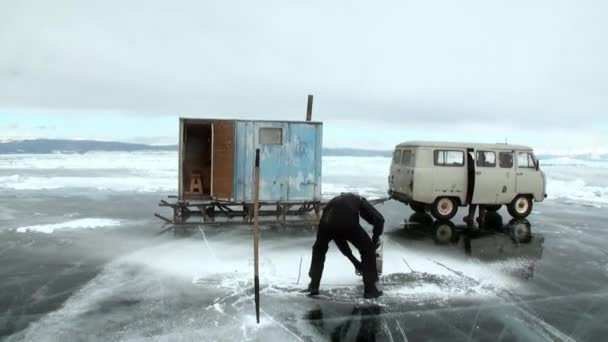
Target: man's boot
312, 290
372, 294
373, 291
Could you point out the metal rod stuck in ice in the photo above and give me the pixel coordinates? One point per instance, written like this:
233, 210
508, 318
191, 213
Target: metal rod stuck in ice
299, 271
256, 232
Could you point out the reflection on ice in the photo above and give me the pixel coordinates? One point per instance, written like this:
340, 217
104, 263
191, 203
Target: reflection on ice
363, 324
494, 242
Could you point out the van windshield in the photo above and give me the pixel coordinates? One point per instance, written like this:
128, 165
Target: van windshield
407, 157
396, 156
525, 160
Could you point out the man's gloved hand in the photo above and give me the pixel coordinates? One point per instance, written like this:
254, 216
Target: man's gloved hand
359, 269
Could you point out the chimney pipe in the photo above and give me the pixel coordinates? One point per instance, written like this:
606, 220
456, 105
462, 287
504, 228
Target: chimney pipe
309, 108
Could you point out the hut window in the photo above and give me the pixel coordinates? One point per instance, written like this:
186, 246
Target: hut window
271, 136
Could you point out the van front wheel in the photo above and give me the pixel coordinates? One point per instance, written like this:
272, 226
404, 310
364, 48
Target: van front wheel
444, 208
521, 206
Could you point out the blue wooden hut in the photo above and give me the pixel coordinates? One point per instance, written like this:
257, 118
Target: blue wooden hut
216, 160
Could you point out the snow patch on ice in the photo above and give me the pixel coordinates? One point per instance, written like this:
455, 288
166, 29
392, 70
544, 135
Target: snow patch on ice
119, 183
218, 308
568, 161
440, 276
143, 161
435, 277
86, 223
577, 191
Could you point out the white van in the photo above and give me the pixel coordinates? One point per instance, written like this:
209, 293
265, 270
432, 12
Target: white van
441, 176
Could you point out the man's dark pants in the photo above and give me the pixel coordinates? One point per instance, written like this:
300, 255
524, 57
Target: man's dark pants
355, 235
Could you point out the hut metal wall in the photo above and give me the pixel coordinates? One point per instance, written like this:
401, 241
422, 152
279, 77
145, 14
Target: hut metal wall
288, 172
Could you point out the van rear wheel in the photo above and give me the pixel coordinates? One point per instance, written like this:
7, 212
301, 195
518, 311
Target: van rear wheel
418, 207
444, 208
521, 206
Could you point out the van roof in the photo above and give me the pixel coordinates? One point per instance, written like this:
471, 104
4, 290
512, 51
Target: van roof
497, 146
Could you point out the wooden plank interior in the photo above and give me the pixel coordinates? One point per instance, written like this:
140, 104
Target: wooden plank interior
197, 159
223, 159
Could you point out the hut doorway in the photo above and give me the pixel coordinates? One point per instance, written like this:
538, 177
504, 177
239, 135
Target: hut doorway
206, 159
197, 160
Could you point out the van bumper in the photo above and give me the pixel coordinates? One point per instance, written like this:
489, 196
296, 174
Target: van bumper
400, 196
540, 198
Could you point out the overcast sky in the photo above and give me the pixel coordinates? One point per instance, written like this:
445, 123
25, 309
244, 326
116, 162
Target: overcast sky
382, 72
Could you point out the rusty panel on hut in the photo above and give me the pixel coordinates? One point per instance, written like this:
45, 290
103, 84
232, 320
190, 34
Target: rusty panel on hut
223, 159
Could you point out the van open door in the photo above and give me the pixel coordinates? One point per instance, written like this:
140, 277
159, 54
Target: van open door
487, 174
508, 178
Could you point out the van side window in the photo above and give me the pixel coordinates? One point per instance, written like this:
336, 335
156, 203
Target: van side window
396, 156
449, 158
406, 157
525, 160
486, 159
505, 159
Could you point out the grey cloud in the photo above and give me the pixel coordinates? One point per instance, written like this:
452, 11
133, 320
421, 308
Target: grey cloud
430, 63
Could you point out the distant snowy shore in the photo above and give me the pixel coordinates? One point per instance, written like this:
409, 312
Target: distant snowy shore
573, 180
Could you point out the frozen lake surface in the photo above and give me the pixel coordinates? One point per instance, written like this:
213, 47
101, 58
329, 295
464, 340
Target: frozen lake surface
81, 260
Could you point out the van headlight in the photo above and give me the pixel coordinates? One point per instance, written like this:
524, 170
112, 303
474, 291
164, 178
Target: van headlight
544, 184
